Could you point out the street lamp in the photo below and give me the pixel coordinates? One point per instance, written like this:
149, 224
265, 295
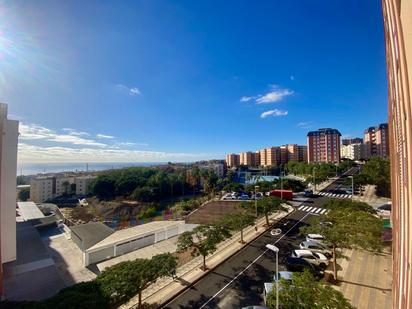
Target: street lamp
276, 250
256, 212
353, 192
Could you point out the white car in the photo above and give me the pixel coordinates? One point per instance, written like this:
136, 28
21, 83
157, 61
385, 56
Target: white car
384, 210
315, 237
315, 258
316, 246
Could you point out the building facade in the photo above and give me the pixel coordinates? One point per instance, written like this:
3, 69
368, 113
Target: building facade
297, 152
377, 140
353, 151
83, 184
349, 141
42, 189
249, 158
232, 160
397, 15
324, 146
8, 171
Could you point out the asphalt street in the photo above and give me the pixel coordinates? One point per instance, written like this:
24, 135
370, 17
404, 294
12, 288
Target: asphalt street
238, 281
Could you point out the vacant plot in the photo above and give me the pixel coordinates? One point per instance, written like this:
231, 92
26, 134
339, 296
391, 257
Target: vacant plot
213, 211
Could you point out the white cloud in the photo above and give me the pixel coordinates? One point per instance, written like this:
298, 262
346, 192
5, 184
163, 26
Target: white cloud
305, 124
74, 132
37, 132
277, 94
104, 136
38, 154
132, 91
274, 113
246, 99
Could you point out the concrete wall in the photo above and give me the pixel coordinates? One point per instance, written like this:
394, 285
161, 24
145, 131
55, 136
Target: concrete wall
8, 188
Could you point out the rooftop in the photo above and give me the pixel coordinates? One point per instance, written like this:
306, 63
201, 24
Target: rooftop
29, 211
131, 233
91, 233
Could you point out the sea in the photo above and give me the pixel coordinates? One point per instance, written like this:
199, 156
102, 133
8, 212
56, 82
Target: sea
41, 168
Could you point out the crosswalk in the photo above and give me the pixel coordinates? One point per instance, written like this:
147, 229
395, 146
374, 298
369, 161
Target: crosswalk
334, 195
313, 210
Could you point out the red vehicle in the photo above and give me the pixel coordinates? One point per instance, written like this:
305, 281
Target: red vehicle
285, 194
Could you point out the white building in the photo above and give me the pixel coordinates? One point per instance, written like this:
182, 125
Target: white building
354, 151
8, 149
63, 185
42, 189
217, 168
82, 184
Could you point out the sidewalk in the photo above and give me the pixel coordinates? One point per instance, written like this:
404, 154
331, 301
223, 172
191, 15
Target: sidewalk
370, 197
366, 279
166, 288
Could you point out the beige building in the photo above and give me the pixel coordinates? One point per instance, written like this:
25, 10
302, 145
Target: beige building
377, 141
354, 151
297, 153
217, 168
82, 184
42, 189
8, 171
397, 15
232, 160
63, 185
250, 158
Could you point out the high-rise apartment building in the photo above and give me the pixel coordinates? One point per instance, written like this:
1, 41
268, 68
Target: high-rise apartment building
273, 156
324, 146
9, 132
397, 15
349, 141
297, 152
353, 151
232, 160
377, 141
263, 157
250, 158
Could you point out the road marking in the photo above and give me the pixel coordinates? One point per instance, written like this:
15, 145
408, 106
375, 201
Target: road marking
309, 209
253, 262
323, 211
301, 207
318, 210
304, 208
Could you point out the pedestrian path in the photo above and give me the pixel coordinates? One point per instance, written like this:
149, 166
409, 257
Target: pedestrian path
335, 195
313, 210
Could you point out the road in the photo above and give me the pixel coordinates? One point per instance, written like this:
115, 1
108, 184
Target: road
238, 281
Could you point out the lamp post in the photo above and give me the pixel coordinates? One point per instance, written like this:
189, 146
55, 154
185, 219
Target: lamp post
256, 212
276, 250
353, 192
281, 185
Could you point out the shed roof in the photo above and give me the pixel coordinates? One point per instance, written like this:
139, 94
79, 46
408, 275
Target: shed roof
134, 232
91, 233
29, 211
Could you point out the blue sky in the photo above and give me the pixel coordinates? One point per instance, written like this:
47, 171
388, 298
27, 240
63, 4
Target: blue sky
187, 80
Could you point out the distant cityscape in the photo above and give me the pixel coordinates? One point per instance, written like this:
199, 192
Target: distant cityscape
323, 146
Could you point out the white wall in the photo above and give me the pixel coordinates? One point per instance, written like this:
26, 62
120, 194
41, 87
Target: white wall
8, 189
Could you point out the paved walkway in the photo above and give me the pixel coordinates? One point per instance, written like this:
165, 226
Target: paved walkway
369, 196
165, 288
366, 279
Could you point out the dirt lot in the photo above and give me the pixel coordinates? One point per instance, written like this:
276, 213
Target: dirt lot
213, 211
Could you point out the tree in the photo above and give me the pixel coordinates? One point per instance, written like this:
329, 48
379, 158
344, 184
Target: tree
66, 186
267, 205
304, 291
126, 279
377, 172
202, 240
24, 194
336, 204
348, 228
238, 222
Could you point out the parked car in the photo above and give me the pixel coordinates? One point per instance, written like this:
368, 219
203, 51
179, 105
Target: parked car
308, 193
315, 237
316, 246
349, 191
287, 275
385, 210
299, 265
314, 258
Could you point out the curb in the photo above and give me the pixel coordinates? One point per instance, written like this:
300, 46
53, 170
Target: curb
164, 303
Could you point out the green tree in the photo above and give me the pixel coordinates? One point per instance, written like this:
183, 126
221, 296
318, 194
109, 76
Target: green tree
348, 228
66, 186
304, 291
238, 222
202, 240
266, 206
376, 171
126, 279
24, 194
